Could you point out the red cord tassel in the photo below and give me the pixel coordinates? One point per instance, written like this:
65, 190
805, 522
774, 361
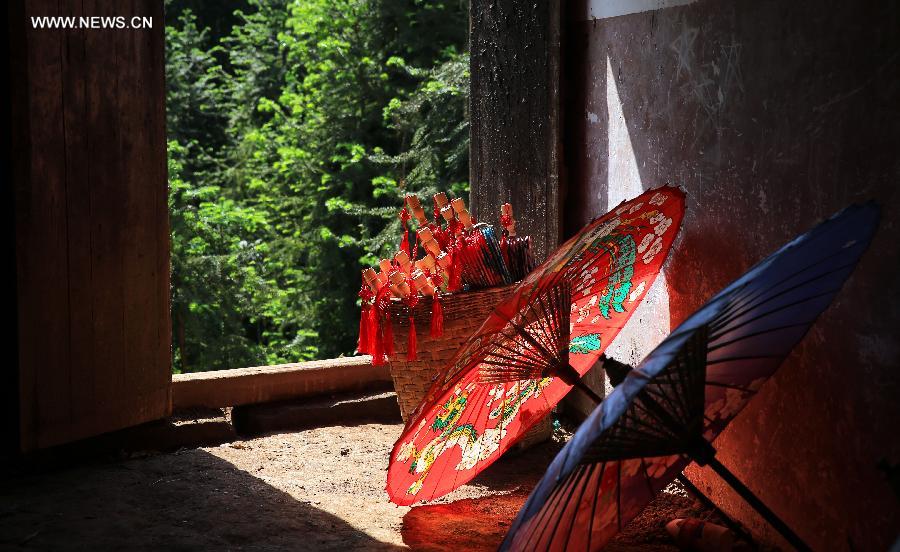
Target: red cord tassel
362, 344
411, 343
373, 329
437, 317
404, 224
378, 344
456, 271
388, 336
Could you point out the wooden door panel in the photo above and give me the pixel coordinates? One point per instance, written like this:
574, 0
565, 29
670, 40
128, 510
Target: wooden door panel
92, 247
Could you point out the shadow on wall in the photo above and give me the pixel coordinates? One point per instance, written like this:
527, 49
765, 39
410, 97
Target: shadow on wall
773, 116
190, 500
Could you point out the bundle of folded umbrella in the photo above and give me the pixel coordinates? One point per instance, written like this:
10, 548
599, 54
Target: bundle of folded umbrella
451, 253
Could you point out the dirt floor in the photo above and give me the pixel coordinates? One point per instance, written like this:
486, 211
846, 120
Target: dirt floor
319, 489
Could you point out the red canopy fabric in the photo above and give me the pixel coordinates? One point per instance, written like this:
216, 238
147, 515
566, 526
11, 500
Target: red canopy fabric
464, 424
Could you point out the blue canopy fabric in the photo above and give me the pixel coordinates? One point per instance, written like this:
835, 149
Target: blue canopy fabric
688, 389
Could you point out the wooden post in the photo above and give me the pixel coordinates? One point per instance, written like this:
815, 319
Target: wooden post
515, 151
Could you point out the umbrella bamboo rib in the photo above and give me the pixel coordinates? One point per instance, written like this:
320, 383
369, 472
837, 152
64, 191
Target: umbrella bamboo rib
570, 483
619, 494
740, 301
585, 479
717, 346
594, 504
728, 318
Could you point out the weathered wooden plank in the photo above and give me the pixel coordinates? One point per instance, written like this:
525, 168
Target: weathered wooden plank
140, 214
82, 382
41, 247
223, 388
15, 387
515, 147
104, 125
157, 172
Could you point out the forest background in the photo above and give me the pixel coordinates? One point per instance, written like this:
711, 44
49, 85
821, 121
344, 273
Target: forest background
295, 128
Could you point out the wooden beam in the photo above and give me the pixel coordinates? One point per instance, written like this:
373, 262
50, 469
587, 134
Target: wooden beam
262, 384
516, 151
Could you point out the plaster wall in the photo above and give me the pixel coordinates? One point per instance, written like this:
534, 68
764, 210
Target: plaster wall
772, 115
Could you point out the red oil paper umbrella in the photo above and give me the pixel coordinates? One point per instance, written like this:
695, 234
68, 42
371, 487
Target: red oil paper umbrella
665, 413
534, 347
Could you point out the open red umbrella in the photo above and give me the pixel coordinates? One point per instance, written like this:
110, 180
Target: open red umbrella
665, 413
534, 347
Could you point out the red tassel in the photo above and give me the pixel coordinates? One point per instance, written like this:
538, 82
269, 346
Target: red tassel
362, 345
437, 317
388, 336
404, 243
378, 345
372, 329
411, 343
456, 271
404, 225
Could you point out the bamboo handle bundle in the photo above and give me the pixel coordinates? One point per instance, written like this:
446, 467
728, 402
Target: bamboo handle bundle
416, 207
462, 213
402, 259
371, 280
422, 284
399, 285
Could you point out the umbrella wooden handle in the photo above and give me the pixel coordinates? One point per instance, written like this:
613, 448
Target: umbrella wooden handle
432, 247
465, 218
447, 213
425, 234
458, 204
371, 279
426, 263
422, 284
399, 285
402, 259
412, 201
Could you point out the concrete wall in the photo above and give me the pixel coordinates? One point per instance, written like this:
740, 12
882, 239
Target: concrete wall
772, 115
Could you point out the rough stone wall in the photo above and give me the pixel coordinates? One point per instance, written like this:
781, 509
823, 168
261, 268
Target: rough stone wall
772, 115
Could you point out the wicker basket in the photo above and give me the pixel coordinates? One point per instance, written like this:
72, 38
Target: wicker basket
463, 314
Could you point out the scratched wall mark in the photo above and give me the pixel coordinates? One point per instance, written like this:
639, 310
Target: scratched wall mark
712, 84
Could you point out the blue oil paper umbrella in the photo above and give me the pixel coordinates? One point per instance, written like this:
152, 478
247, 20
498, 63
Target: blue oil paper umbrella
665, 413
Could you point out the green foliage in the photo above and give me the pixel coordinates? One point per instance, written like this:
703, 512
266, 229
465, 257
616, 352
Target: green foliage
293, 137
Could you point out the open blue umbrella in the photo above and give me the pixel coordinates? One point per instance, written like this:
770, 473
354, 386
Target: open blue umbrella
665, 413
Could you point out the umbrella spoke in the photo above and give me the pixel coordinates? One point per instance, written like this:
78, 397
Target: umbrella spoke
731, 316
743, 357
552, 510
619, 495
597, 494
578, 478
730, 386
753, 334
744, 300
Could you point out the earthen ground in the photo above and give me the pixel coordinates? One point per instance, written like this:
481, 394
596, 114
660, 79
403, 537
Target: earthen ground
318, 489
